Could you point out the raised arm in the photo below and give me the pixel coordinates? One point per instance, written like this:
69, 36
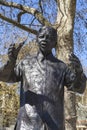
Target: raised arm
75, 78
7, 73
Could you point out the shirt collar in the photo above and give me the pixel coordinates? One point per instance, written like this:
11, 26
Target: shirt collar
41, 57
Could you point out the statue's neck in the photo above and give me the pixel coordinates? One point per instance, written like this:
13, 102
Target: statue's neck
44, 53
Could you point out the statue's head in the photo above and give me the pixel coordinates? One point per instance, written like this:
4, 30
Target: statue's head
47, 39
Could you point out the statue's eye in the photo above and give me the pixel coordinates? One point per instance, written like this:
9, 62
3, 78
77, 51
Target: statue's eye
41, 36
46, 36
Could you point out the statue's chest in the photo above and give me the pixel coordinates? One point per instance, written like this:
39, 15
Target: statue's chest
41, 76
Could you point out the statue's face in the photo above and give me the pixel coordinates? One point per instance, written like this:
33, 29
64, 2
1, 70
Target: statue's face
47, 39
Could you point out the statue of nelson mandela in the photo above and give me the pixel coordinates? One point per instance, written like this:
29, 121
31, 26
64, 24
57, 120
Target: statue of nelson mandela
42, 77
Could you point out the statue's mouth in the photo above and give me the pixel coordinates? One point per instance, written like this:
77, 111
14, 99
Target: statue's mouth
43, 43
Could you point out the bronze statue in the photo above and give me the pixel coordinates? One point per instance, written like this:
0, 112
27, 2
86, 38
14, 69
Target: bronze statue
42, 79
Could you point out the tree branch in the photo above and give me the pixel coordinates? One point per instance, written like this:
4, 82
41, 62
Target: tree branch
19, 16
55, 1
40, 5
29, 10
18, 24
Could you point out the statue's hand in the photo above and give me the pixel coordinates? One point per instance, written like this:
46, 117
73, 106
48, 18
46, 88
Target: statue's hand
75, 64
13, 51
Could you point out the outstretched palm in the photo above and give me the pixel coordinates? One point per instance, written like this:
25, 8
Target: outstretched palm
75, 63
13, 51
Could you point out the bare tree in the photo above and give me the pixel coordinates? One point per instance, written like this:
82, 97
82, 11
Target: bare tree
64, 14
65, 21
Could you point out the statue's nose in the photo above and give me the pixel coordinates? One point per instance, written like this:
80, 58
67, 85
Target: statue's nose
46, 37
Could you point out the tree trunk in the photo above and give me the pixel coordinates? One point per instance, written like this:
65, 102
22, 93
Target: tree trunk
65, 22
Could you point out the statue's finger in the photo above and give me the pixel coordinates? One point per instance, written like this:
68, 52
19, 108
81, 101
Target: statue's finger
74, 59
10, 50
20, 46
12, 46
74, 56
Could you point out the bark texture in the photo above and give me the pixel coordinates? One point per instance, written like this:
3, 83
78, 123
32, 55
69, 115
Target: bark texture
65, 25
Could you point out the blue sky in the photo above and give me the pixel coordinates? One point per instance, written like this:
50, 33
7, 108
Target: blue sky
9, 33
80, 33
